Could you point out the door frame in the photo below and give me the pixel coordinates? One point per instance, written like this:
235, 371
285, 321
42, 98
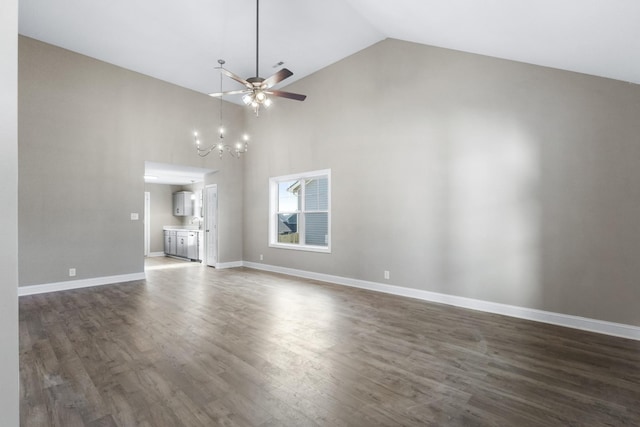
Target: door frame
147, 223
211, 225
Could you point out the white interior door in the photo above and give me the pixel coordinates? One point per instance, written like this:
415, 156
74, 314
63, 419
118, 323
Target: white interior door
211, 224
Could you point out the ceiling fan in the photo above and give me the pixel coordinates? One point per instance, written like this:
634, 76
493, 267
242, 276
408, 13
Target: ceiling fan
257, 89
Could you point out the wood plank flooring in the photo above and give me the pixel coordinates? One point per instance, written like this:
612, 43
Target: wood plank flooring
195, 346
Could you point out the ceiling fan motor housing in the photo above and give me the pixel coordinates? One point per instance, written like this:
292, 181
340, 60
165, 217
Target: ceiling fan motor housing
256, 81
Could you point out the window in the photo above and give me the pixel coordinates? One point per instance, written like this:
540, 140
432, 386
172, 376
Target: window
300, 211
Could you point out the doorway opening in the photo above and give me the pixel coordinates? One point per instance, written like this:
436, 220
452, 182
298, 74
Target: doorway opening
168, 186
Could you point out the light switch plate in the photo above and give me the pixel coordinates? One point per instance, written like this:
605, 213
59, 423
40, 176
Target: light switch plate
134, 216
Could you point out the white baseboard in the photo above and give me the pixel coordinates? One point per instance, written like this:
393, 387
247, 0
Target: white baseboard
155, 254
566, 320
232, 264
76, 284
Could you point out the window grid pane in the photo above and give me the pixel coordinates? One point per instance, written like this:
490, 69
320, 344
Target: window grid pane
316, 229
288, 228
316, 194
289, 199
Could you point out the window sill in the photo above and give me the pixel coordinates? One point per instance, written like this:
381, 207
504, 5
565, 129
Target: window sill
306, 248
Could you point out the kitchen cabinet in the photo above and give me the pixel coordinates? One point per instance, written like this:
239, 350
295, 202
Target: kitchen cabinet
183, 203
182, 244
170, 238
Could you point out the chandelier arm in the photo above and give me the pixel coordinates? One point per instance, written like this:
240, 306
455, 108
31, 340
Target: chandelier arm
205, 152
221, 147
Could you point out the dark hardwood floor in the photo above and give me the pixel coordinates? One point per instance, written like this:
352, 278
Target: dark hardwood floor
195, 346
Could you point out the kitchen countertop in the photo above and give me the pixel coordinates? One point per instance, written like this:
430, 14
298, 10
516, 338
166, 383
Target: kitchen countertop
182, 228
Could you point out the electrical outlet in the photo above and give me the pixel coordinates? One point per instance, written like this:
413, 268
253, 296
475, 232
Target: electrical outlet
386, 274
72, 272
261, 257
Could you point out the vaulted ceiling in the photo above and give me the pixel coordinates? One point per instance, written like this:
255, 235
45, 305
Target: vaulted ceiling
181, 41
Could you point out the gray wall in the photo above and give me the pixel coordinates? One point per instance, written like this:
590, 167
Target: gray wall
9, 392
230, 219
85, 130
465, 175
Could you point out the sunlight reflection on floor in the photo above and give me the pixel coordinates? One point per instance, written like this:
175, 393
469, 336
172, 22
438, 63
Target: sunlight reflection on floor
164, 263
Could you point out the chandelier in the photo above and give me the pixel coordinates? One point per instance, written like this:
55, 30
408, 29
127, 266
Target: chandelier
234, 150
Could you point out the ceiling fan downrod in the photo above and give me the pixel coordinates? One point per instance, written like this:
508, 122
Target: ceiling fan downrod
257, 90
257, 34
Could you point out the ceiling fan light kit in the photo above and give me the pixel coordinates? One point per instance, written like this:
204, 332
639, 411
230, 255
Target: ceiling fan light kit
258, 90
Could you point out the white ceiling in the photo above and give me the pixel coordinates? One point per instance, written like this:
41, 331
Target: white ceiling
181, 41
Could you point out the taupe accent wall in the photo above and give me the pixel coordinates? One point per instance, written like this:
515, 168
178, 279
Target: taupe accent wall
9, 391
464, 175
85, 130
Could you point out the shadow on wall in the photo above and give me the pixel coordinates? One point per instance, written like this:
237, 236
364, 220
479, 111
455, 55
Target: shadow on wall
493, 208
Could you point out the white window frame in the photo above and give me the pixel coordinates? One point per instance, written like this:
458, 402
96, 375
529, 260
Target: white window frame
273, 212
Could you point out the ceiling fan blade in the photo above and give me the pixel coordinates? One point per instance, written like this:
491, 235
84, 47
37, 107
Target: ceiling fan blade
234, 77
277, 78
231, 92
289, 95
